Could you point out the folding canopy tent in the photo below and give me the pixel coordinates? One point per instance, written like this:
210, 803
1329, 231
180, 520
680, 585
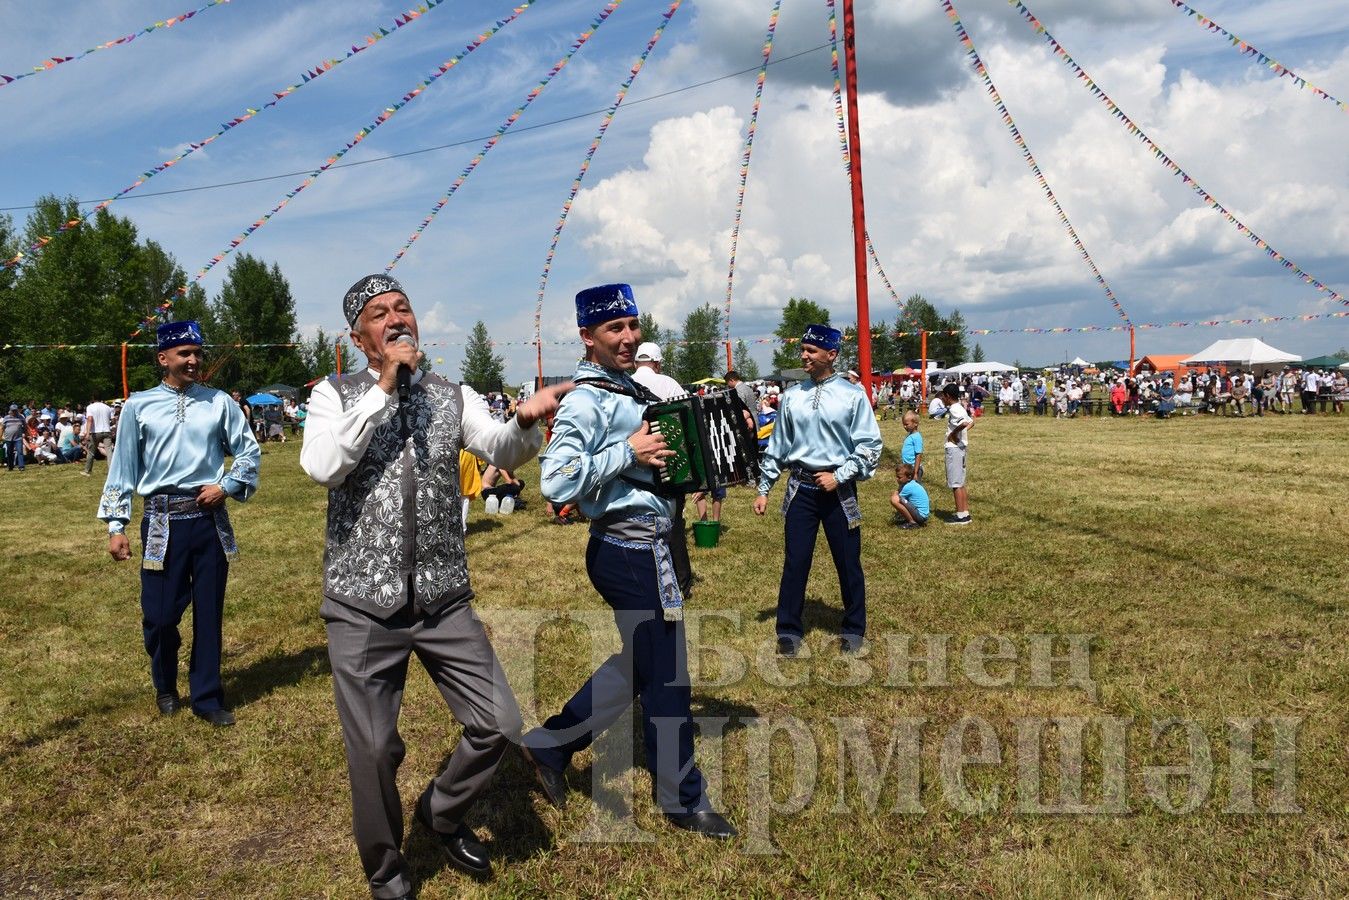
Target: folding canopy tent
1244, 352
971, 368
1323, 362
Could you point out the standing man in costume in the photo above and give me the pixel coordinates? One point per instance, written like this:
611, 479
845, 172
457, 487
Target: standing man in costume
385, 442
601, 455
826, 440
172, 441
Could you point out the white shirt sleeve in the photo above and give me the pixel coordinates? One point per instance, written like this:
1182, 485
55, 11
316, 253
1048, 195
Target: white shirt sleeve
335, 439
504, 444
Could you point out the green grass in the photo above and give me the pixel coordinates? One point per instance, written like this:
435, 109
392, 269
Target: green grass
1206, 556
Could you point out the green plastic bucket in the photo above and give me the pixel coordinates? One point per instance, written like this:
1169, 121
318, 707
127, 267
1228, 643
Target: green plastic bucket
706, 534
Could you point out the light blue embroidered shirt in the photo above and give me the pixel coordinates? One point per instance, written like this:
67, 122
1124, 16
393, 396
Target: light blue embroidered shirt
172, 443
822, 425
589, 450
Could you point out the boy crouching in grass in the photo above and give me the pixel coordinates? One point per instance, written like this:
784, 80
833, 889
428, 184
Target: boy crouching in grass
910, 501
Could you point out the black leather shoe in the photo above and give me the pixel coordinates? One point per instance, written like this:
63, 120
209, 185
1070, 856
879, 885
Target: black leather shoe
787, 647
850, 645
220, 718
552, 782
707, 823
462, 848
168, 704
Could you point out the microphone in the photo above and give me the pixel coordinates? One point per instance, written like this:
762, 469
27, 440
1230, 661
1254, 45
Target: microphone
405, 372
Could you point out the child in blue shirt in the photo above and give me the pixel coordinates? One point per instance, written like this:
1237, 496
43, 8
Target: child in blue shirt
912, 451
910, 501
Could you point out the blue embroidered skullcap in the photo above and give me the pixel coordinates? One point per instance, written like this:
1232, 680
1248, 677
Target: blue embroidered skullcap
173, 334
822, 336
365, 290
600, 304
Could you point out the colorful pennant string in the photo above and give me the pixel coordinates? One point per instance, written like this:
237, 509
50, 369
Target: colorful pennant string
360, 136
745, 158
505, 127
1247, 50
847, 157
1020, 141
773, 339
249, 112
585, 164
54, 61
1157, 152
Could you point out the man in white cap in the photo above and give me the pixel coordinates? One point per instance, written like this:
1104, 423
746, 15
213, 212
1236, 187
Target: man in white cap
649, 376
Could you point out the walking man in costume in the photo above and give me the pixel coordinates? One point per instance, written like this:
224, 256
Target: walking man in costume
172, 441
825, 441
602, 455
385, 442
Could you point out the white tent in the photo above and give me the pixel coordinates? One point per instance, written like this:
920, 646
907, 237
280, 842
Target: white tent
1079, 361
1245, 352
971, 368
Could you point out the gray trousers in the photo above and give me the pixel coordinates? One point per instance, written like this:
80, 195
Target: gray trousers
95, 444
369, 659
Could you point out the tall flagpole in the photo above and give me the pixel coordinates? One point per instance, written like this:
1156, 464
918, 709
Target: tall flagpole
859, 225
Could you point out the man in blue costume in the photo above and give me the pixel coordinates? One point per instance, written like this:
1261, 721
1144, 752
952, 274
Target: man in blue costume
172, 441
826, 440
601, 456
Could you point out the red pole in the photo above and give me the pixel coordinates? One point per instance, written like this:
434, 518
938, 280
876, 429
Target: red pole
859, 224
125, 391
337, 345
538, 349
1131, 350
730, 363
923, 382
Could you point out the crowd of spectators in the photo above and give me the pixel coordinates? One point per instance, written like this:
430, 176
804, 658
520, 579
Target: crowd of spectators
1069, 394
48, 434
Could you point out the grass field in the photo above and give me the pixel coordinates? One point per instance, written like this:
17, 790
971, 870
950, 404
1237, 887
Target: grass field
1207, 558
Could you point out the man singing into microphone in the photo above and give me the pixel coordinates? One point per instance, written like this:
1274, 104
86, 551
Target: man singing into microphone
385, 442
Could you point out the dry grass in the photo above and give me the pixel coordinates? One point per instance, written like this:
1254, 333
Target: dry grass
1208, 558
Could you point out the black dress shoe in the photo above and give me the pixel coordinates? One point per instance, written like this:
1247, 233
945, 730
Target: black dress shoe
168, 704
707, 823
850, 644
462, 848
220, 718
552, 782
787, 647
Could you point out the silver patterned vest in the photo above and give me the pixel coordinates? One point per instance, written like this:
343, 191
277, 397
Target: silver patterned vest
396, 521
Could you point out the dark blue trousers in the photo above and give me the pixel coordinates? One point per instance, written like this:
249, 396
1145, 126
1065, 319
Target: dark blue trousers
811, 508
195, 570
652, 665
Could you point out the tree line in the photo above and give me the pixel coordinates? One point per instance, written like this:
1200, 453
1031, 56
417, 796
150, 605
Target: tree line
96, 282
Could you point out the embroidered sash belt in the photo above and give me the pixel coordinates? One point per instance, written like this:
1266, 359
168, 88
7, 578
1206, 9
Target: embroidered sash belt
160, 509
651, 533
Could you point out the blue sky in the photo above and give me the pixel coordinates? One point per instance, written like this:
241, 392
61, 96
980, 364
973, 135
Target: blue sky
954, 211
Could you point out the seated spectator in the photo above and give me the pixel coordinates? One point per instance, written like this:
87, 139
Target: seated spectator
44, 448
1239, 395
936, 407
68, 447
910, 501
1119, 397
1166, 400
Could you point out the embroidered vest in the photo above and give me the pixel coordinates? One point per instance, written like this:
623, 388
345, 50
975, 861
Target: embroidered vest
396, 518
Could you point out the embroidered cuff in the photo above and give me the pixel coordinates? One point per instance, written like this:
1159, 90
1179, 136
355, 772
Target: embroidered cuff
116, 527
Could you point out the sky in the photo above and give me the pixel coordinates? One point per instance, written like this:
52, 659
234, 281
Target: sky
953, 210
